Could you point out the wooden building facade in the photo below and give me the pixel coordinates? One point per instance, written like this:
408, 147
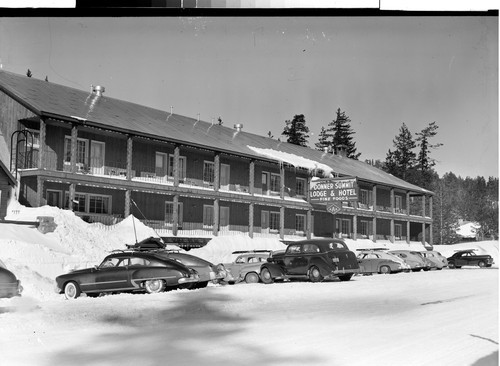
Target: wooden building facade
105, 159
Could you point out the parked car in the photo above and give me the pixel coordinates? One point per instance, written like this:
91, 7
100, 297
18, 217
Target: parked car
126, 271
246, 267
437, 258
315, 259
469, 258
206, 270
428, 264
377, 261
10, 286
412, 258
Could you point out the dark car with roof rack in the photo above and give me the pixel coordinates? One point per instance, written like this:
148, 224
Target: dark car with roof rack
206, 270
468, 257
315, 259
126, 271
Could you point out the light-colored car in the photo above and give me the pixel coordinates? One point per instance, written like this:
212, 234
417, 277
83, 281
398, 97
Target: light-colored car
10, 286
413, 258
245, 268
377, 261
437, 258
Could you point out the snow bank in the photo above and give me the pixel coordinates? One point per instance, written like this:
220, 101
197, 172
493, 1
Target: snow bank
38, 258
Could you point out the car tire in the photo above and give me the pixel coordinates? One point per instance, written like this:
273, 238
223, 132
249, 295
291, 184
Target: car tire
346, 277
315, 274
72, 290
266, 276
481, 264
385, 270
154, 286
252, 277
451, 265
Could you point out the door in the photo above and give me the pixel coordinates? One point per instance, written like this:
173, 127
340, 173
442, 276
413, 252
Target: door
54, 198
296, 260
97, 157
265, 182
264, 221
224, 218
113, 275
224, 176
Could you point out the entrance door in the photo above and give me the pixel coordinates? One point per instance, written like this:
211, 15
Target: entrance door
265, 182
97, 157
264, 221
224, 218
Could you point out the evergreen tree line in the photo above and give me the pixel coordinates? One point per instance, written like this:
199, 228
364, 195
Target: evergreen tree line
455, 199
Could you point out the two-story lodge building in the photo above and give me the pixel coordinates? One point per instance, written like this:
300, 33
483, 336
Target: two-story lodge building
106, 158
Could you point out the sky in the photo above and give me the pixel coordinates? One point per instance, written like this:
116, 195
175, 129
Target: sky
382, 71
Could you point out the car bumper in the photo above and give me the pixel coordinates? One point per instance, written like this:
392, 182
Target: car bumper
11, 289
190, 279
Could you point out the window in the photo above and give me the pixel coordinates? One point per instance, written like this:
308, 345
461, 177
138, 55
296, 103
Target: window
182, 166
294, 249
300, 186
90, 203
275, 182
99, 204
365, 197
300, 223
274, 220
82, 147
208, 216
343, 226
169, 213
208, 171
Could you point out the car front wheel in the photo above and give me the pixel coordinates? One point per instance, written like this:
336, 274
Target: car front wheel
385, 269
265, 276
481, 264
252, 277
315, 274
154, 286
72, 290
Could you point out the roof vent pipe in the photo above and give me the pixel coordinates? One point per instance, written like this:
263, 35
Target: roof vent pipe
97, 90
238, 127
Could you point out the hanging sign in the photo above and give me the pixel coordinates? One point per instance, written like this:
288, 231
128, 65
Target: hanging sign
334, 207
333, 189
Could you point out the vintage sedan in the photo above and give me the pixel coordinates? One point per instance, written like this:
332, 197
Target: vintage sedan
371, 261
315, 259
10, 286
439, 261
206, 270
245, 268
469, 258
126, 271
412, 258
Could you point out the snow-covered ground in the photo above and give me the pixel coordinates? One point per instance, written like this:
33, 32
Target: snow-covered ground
447, 317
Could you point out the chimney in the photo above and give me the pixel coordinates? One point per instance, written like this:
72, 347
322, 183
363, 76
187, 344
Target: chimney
341, 150
97, 90
238, 127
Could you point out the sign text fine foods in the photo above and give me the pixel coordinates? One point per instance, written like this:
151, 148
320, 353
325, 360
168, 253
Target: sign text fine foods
333, 189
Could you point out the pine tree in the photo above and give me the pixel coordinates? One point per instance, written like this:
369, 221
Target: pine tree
424, 161
341, 132
28, 73
323, 138
445, 214
296, 130
401, 161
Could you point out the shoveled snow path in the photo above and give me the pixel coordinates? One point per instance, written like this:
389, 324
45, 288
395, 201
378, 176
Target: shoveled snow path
447, 317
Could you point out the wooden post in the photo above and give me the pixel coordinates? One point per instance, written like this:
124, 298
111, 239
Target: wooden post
282, 181
128, 193
215, 229
71, 196
175, 214
408, 232
392, 231
74, 139
176, 165
250, 220
39, 191
423, 233
216, 172
129, 157
251, 178
41, 151
309, 227
282, 222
